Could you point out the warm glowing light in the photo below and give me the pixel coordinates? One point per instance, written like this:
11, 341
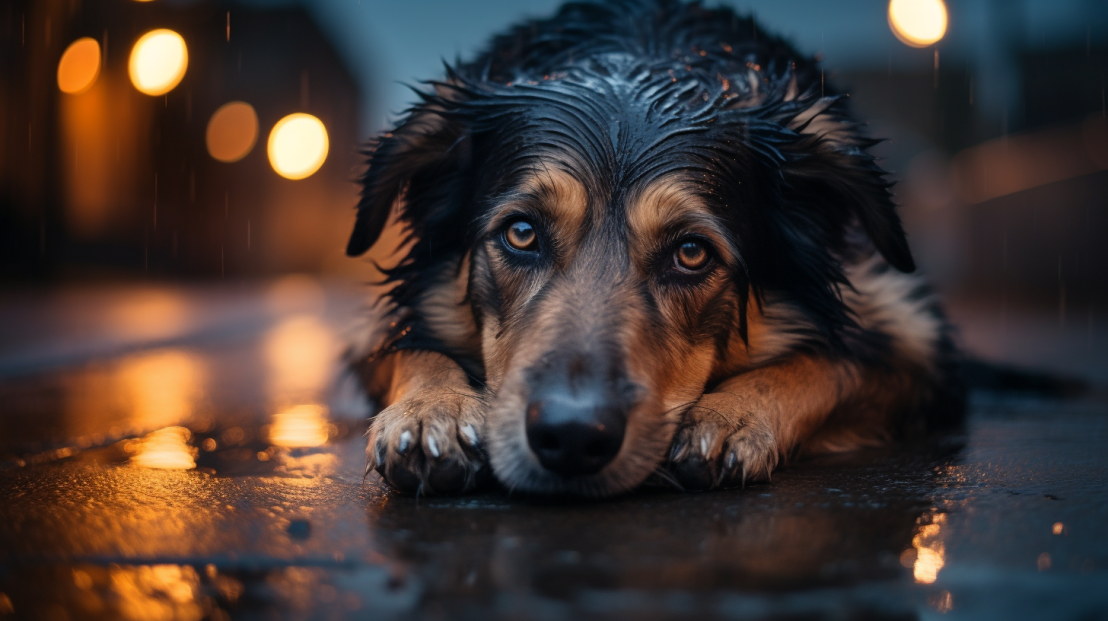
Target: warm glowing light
146, 314
1058, 528
930, 551
232, 131
79, 66
917, 23
294, 294
157, 592
300, 353
299, 426
158, 61
163, 387
298, 146
1043, 562
165, 449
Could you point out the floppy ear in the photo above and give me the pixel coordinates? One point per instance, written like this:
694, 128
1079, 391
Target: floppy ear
415, 163
835, 164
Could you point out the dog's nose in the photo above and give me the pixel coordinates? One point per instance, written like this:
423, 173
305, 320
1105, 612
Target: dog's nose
574, 437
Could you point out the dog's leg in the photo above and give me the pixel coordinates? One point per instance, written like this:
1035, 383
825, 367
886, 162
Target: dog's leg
428, 438
740, 430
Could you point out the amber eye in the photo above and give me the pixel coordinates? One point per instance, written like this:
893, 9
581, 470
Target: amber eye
691, 256
521, 235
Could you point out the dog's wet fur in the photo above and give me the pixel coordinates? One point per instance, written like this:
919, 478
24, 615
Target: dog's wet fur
645, 242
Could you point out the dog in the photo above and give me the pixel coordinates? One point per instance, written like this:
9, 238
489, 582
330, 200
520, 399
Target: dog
644, 241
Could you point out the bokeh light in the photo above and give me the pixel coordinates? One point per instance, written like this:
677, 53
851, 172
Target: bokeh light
232, 131
298, 146
79, 66
300, 426
917, 23
164, 449
299, 353
930, 550
158, 61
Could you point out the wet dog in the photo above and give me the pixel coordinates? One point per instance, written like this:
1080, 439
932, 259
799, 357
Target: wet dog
644, 241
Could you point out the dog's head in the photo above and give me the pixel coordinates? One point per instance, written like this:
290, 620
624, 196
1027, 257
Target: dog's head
613, 225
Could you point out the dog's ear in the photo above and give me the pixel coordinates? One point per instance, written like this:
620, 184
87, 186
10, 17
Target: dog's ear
414, 162
834, 166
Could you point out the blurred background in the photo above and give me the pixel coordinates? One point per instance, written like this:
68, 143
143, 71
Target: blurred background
213, 144
176, 189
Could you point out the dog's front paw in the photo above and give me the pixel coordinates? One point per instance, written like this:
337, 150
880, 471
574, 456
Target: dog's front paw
430, 443
722, 444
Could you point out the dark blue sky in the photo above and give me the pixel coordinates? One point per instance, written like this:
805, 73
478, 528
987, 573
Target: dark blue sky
387, 42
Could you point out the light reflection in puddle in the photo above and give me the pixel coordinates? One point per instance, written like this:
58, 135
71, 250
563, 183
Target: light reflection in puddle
164, 449
929, 550
157, 592
297, 430
299, 426
164, 387
307, 467
300, 353
143, 392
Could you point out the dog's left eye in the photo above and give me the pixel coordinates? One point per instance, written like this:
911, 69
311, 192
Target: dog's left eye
521, 235
691, 256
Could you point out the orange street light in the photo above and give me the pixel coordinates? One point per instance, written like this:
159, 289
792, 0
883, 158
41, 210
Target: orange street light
232, 131
79, 66
298, 146
918, 23
158, 61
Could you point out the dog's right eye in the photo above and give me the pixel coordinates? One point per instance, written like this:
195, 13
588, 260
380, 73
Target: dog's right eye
521, 235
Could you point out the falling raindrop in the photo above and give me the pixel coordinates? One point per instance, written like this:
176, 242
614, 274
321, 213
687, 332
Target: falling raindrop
304, 93
936, 67
1061, 296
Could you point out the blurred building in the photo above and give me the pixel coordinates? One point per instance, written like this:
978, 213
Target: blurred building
110, 181
997, 131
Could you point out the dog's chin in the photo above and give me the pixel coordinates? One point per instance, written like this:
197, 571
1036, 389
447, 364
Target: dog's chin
518, 469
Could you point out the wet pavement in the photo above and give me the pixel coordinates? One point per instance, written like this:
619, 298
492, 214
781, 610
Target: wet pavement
191, 453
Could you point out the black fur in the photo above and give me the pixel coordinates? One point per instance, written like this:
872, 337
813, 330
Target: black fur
626, 90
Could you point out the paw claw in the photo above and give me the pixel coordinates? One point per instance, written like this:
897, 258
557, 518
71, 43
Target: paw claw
421, 445
405, 442
734, 448
470, 435
678, 450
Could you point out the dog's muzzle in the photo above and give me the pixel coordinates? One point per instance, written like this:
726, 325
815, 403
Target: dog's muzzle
575, 425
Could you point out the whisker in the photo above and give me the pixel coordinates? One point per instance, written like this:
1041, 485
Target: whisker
668, 477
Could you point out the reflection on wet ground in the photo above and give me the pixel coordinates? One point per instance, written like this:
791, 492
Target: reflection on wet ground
222, 478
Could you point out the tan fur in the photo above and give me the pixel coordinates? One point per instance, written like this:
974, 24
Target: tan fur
431, 429
447, 313
749, 422
765, 402
563, 200
666, 203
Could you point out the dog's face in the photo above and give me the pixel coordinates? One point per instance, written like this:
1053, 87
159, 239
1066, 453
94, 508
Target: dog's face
604, 312
610, 227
